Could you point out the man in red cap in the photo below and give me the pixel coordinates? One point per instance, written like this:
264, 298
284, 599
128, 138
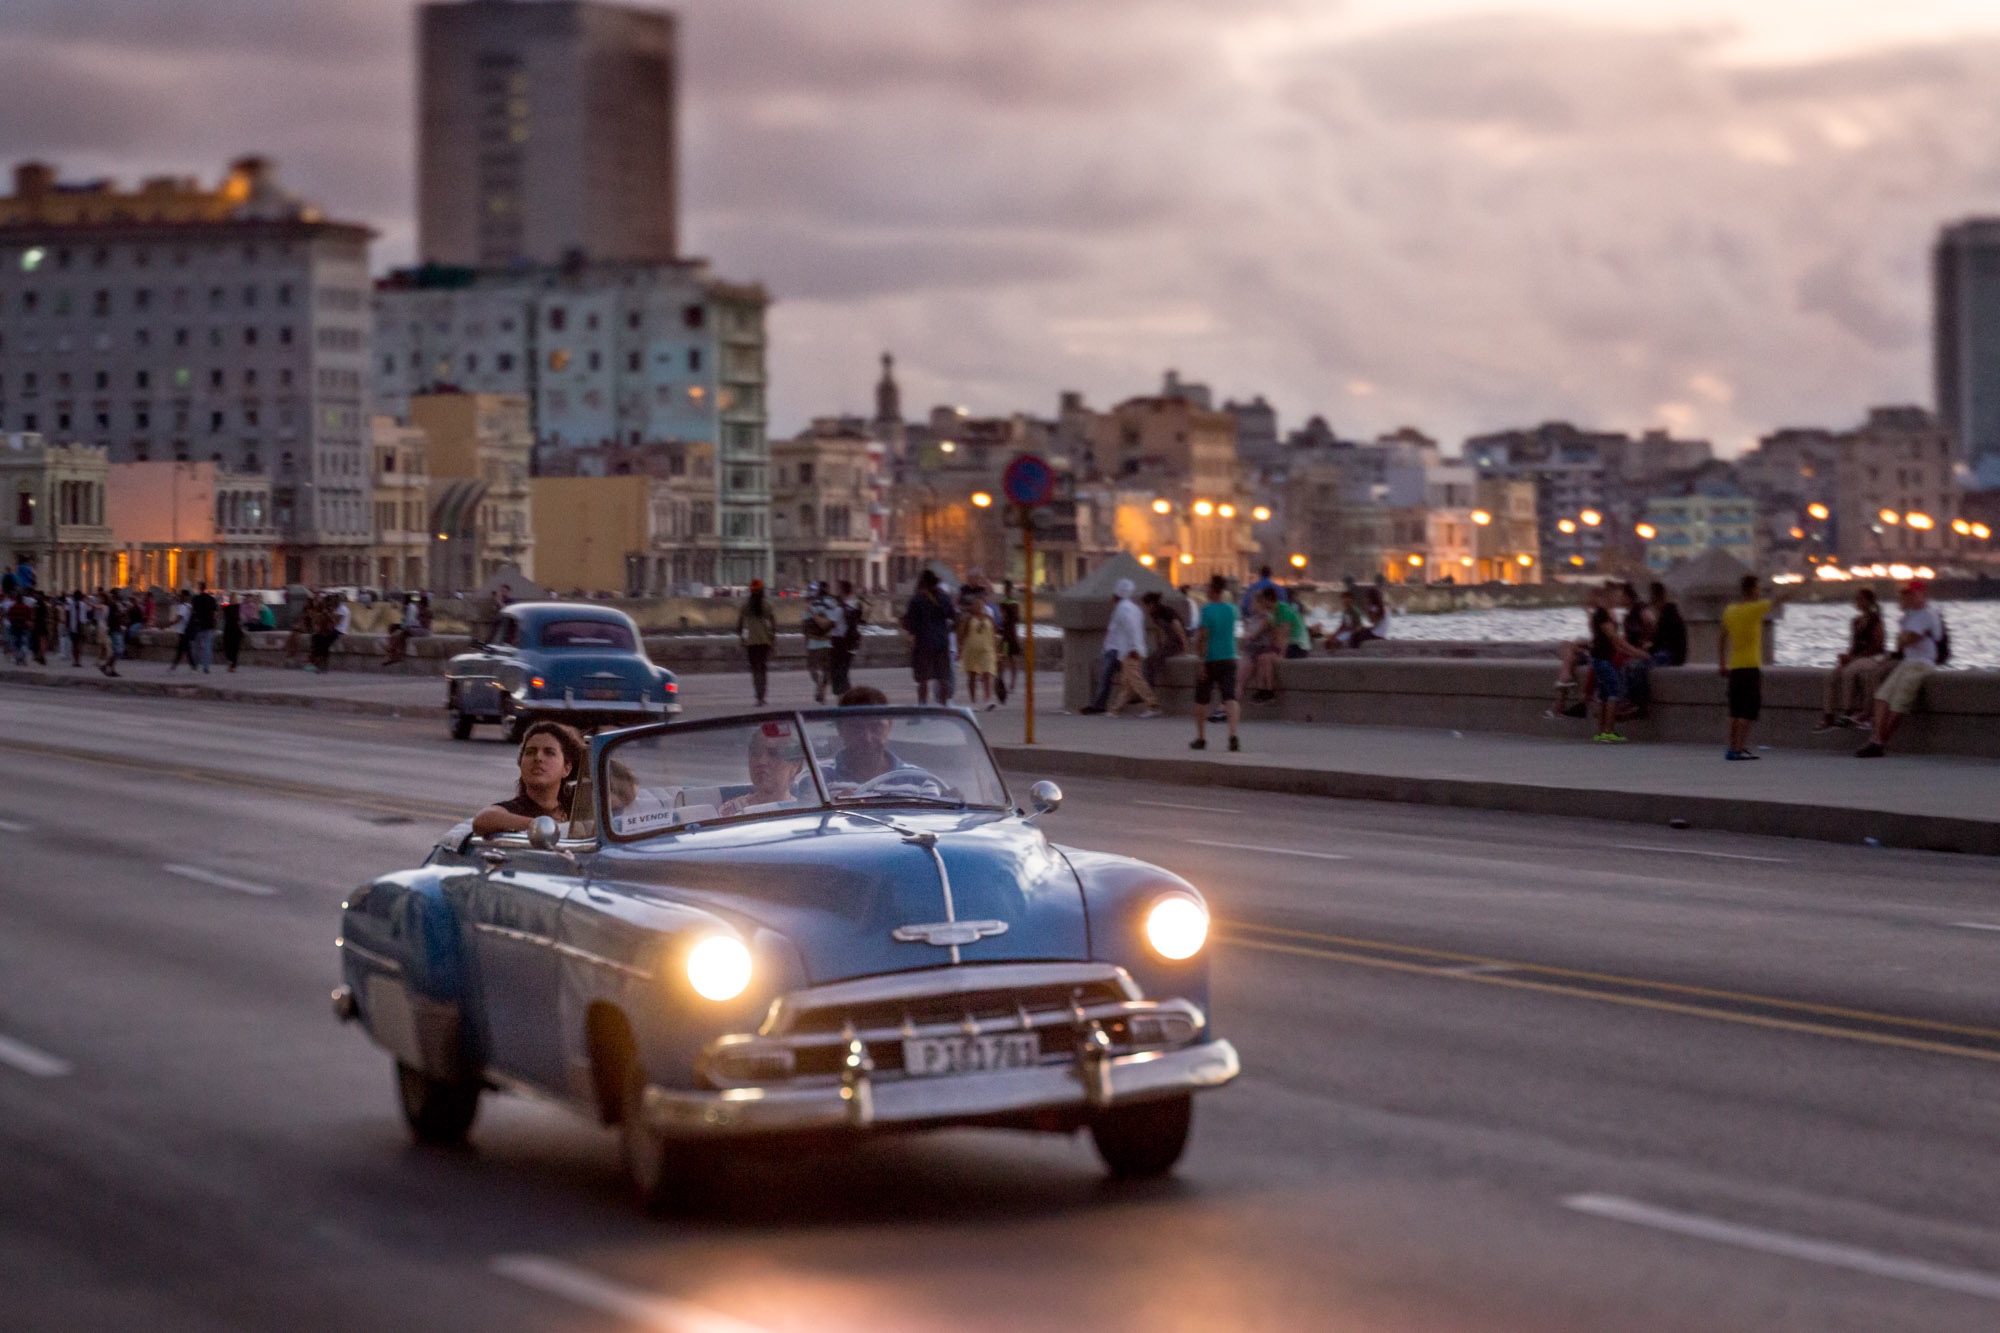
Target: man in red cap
1919, 640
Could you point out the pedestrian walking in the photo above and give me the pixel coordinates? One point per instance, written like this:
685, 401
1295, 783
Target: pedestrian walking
822, 623
202, 618
1215, 641
1126, 637
757, 630
232, 630
183, 633
1740, 660
1924, 643
853, 612
1121, 637
978, 652
110, 615
1008, 678
928, 620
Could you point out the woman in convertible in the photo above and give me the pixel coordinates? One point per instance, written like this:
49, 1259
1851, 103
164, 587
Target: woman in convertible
552, 755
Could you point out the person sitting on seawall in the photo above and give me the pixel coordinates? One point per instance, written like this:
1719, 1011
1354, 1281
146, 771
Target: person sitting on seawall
776, 762
1924, 643
552, 755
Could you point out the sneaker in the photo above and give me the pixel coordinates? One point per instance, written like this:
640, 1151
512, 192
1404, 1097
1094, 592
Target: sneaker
1870, 751
1613, 738
1198, 743
1235, 744
1740, 754
1151, 712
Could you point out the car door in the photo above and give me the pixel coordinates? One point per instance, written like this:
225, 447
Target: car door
516, 910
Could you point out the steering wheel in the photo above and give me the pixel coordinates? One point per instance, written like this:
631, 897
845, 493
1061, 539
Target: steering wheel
912, 781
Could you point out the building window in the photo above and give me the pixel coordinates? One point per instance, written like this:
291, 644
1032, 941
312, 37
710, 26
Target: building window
596, 361
24, 508
215, 423
558, 317
215, 379
250, 336
632, 361
694, 358
693, 316
506, 361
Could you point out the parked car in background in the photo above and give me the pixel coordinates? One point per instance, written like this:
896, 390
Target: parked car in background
574, 662
830, 922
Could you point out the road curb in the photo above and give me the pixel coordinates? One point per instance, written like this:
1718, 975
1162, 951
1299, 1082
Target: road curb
1783, 819
173, 689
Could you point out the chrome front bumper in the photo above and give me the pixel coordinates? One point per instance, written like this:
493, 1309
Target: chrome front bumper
1094, 1080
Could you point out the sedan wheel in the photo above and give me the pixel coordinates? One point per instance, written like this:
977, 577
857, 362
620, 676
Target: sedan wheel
439, 1112
1144, 1141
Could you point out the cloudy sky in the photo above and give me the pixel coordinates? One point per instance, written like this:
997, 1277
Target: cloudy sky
1456, 214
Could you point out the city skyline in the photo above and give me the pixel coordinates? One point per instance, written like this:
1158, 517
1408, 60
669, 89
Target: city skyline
1458, 221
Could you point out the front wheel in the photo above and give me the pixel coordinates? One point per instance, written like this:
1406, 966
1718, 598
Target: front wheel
439, 1112
1144, 1141
666, 1175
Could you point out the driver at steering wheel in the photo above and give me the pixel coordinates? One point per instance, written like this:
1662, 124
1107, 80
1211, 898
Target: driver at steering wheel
865, 758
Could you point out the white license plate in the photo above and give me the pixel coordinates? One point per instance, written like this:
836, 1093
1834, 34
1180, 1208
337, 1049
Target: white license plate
924, 1057
604, 692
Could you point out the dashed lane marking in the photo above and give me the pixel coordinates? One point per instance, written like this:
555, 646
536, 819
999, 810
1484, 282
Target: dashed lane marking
36, 1064
553, 1277
1204, 809
1832, 1254
1274, 851
1698, 851
1976, 925
221, 881
9, 826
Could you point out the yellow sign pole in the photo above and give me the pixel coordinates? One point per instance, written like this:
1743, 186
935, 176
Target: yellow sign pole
1028, 616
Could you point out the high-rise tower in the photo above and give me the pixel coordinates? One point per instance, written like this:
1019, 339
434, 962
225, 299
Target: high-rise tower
1966, 339
548, 129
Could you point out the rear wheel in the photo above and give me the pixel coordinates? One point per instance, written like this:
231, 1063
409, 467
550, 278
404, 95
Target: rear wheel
1144, 1141
439, 1112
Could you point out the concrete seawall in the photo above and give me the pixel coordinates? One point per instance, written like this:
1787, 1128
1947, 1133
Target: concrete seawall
1959, 712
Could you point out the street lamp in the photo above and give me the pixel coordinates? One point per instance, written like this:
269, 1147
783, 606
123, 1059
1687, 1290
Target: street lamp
1481, 517
1647, 531
1227, 511
980, 499
1981, 531
1961, 527
1525, 559
1818, 511
1187, 558
1262, 513
1298, 561
1591, 518
1921, 522
1146, 560
1203, 508
1163, 506
1566, 526
1416, 561
1890, 517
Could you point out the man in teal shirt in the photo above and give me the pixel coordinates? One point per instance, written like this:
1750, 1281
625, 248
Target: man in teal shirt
1215, 643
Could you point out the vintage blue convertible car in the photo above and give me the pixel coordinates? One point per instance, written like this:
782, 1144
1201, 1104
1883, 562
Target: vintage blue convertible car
570, 661
823, 922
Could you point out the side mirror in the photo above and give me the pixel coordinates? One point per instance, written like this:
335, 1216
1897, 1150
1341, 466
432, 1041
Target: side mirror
1046, 797
543, 835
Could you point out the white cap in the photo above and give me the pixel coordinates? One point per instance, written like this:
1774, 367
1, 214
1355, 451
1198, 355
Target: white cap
1124, 588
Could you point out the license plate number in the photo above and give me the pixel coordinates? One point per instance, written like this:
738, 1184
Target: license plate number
927, 1057
600, 692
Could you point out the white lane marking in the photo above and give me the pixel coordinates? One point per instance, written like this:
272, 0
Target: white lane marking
1696, 851
1832, 1254
555, 1278
1205, 809
9, 826
1275, 851
1976, 925
38, 1064
200, 876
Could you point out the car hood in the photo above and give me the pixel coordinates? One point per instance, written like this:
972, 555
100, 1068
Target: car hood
838, 887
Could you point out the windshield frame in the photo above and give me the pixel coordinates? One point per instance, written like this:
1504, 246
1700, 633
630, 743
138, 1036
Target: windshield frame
605, 746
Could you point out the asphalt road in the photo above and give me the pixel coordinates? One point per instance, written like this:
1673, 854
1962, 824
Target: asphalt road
1502, 1072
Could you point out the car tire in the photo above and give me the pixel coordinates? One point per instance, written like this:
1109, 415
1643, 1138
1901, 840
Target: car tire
440, 1112
666, 1176
1143, 1142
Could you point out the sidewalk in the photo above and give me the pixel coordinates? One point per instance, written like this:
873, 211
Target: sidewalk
1938, 802
1922, 801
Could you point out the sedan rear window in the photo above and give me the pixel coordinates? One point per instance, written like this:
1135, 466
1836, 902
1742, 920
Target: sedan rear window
587, 634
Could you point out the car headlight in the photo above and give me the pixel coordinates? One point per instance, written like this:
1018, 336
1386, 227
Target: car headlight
1177, 927
719, 968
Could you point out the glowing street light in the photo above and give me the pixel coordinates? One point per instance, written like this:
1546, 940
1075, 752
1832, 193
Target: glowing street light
1961, 527
1466, 561
948, 447
1415, 560
1647, 531
1203, 508
1591, 518
1227, 511
1566, 526
1981, 531
1798, 533
1298, 561
1146, 560
1576, 560
1163, 506
1921, 522
1187, 558
980, 499
1481, 517
1818, 511
1262, 513
1890, 516
1524, 559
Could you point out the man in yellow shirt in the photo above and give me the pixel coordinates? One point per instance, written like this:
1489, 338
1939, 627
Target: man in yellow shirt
1740, 654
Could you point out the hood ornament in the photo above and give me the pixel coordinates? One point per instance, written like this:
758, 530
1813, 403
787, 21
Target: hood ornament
949, 933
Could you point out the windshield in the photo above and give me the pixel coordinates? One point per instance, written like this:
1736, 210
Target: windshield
663, 781
587, 634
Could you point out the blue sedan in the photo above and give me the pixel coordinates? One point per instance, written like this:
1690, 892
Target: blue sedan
569, 661
828, 923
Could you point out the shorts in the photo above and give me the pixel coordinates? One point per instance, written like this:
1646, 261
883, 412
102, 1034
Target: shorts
1607, 682
1218, 676
1904, 684
1746, 693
